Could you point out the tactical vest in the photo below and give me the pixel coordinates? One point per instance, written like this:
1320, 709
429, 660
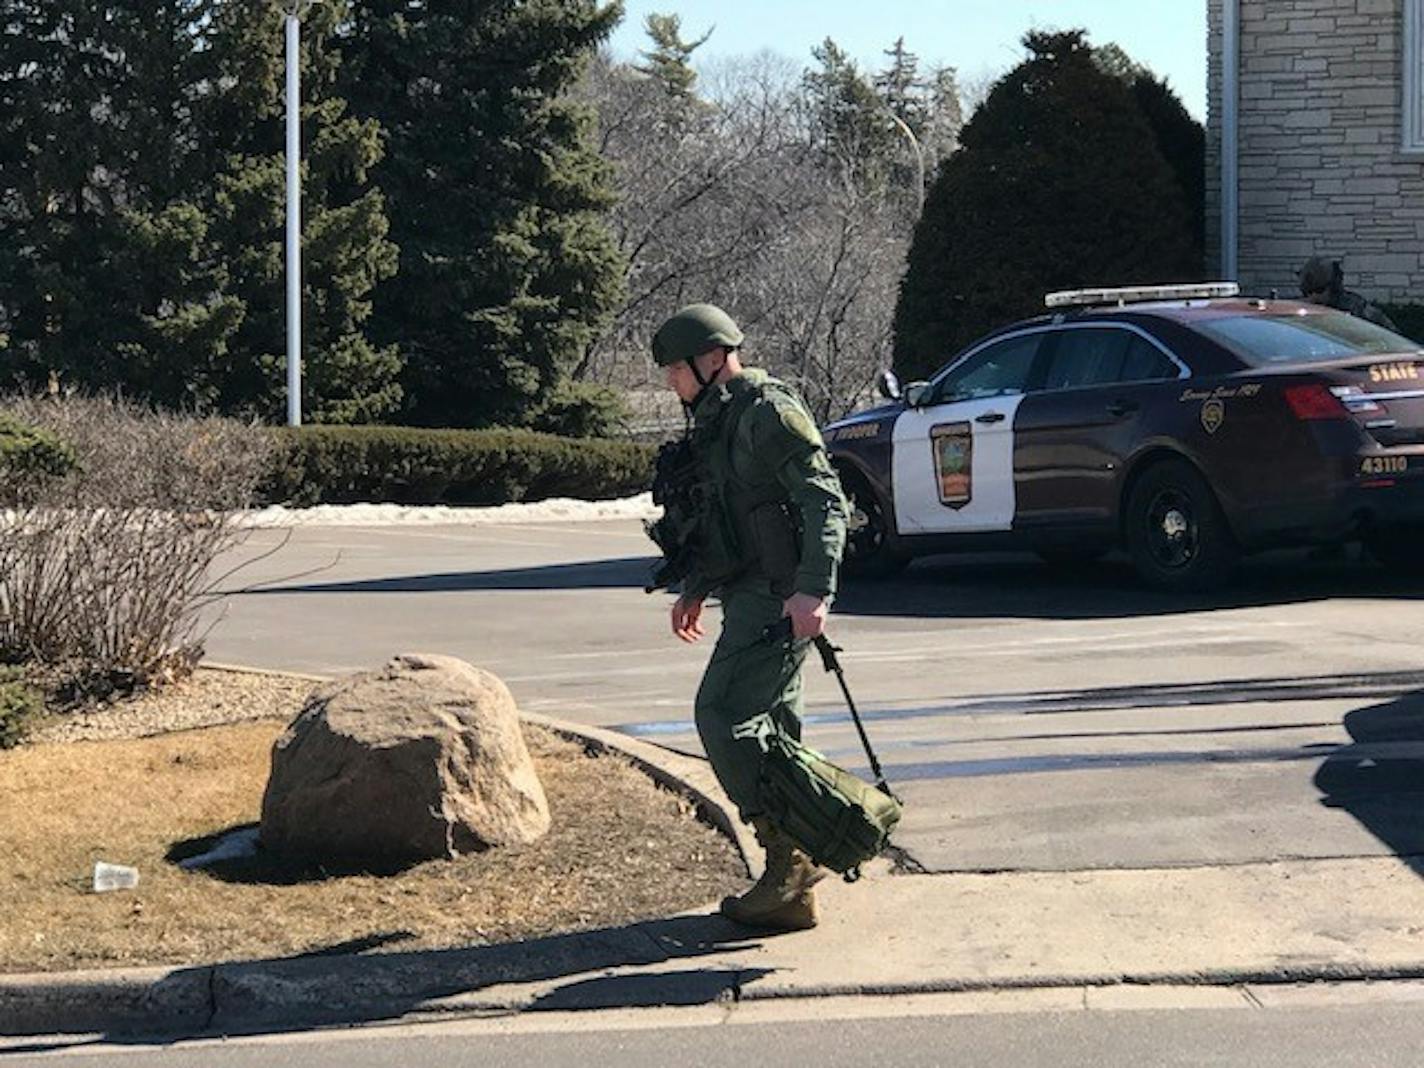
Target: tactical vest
748, 530
716, 524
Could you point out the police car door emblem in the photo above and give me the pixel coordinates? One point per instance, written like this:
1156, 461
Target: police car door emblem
952, 445
1213, 414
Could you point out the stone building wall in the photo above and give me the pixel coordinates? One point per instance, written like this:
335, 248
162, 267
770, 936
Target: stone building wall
1322, 167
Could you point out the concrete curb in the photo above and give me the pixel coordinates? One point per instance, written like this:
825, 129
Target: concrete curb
561, 974
243, 669
1289, 922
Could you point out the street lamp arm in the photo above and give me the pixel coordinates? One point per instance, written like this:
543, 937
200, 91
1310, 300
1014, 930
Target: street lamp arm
919, 158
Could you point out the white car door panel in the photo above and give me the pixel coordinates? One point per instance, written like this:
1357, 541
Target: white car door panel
952, 461
953, 466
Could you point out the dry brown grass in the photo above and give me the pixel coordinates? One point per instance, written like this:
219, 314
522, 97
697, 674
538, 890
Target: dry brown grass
621, 849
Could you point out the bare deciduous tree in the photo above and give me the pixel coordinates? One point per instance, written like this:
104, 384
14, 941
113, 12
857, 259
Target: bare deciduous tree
728, 194
105, 569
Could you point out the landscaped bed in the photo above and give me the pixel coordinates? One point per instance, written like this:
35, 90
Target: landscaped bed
86, 788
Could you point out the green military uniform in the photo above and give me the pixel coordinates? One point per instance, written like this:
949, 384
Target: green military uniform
753, 513
758, 449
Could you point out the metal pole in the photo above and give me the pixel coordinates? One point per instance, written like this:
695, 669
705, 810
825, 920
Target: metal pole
294, 221
1230, 137
919, 161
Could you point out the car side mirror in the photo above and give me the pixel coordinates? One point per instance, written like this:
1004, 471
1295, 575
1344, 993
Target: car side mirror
887, 385
916, 393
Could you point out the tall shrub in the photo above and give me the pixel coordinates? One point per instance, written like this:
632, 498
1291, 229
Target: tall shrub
105, 567
1059, 183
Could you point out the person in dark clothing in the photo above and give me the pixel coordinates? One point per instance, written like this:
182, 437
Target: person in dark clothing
1323, 282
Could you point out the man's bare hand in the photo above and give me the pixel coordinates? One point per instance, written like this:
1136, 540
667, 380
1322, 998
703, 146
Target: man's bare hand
687, 618
807, 613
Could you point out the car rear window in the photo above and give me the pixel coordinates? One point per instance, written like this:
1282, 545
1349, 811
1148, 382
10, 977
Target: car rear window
1263, 340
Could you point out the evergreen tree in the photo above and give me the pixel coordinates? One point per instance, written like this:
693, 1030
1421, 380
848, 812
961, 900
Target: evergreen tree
106, 273
946, 114
346, 251
669, 62
899, 86
507, 270
1179, 136
1058, 183
141, 204
1182, 142
851, 126
887, 131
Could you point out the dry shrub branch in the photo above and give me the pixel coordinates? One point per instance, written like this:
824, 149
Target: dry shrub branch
105, 568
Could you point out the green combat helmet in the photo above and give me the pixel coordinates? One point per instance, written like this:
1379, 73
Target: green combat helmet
692, 331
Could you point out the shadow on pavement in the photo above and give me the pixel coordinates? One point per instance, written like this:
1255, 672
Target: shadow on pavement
315, 989
1379, 777
1107, 699
630, 571
700, 987
950, 587
1018, 586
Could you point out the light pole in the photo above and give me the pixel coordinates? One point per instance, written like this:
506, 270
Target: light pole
294, 12
919, 161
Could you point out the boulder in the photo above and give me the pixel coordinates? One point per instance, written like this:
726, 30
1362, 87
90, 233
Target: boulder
421, 759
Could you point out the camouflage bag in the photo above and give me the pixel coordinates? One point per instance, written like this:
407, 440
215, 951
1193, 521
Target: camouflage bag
835, 817
838, 819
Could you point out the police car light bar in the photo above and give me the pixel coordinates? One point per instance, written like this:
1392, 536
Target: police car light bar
1077, 298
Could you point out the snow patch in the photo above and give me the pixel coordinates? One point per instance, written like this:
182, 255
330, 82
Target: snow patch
554, 510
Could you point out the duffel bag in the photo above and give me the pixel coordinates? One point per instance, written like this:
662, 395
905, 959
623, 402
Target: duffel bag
835, 817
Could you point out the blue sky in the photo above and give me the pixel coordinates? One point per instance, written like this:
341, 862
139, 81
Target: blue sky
979, 37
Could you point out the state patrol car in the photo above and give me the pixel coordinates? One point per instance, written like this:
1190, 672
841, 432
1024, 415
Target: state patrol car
1185, 424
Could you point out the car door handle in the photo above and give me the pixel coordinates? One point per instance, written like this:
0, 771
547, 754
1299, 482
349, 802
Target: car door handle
990, 417
1118, 408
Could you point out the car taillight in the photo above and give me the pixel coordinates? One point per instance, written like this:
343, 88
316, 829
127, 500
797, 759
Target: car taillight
1315, 401
1356, 400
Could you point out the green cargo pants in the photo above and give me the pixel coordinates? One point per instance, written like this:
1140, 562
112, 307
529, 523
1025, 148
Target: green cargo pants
747, 676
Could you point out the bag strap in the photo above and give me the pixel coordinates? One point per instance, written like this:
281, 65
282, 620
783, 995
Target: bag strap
781, 631
832, 663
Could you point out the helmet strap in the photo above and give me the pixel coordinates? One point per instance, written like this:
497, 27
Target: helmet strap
704, 381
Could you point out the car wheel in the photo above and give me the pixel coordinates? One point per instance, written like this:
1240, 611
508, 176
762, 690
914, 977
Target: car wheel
868, 553
1175, 531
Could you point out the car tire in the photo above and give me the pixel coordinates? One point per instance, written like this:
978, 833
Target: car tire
1175, 531
868, 550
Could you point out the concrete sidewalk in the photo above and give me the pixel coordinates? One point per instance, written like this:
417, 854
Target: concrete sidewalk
1269, 923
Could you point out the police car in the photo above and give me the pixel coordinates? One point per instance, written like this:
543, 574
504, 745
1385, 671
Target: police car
1184, 424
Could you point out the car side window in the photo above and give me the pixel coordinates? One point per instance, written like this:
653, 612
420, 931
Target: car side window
1145, 362
1086, 357
998, 370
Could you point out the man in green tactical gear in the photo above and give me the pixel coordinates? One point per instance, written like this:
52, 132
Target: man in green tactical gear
769, 533
1323, 282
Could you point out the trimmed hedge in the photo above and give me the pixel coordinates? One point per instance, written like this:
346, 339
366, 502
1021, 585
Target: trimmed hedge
404, 465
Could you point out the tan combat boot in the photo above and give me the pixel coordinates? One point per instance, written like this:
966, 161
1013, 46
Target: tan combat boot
783, 898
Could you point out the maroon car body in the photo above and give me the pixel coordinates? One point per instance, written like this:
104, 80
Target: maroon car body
1185, 431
